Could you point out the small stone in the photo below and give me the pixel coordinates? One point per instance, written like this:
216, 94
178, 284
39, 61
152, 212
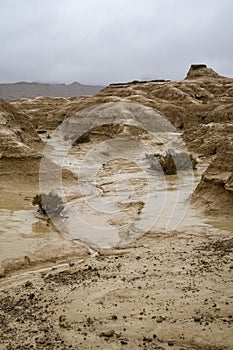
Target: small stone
90, 321
28, 284
108, 334
148, 339
63, 322
124, 341
71, 264
160, 319
18, 308
62, 318
197, 318
114, 317
170, 343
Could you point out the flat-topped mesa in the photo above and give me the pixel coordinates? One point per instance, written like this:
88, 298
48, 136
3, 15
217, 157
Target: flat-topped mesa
201, 71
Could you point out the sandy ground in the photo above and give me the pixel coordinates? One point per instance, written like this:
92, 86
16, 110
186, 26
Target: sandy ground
165, 291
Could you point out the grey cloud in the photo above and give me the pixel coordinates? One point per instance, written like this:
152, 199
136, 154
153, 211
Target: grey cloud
101, 41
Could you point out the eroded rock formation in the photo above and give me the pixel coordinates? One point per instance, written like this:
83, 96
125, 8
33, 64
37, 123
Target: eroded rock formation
200, 107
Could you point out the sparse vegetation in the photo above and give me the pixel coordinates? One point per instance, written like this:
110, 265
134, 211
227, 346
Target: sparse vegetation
49, 204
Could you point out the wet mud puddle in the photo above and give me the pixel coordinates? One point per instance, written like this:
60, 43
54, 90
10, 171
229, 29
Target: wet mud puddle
21, 227
115, 198
118, 197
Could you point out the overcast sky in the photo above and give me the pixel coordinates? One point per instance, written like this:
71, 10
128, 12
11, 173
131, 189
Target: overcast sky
103, 41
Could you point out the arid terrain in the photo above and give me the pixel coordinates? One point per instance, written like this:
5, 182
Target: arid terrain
167, 287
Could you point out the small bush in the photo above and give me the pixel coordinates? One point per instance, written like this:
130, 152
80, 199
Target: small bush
50, 204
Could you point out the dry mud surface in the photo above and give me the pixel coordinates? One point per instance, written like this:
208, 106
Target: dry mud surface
161, 288
164, 292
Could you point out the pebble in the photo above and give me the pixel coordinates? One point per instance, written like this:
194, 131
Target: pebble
197, 318
62, 318
63, 322
148, 339
18, 308
170, 343
124, 341
160, 319
89, 321
108, 334
28, 284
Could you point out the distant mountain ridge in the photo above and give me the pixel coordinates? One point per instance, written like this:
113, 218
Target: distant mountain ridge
22, 89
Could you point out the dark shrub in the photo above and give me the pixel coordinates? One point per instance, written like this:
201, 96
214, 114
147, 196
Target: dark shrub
50, 204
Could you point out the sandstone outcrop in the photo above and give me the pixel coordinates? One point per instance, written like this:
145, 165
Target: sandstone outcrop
200, 71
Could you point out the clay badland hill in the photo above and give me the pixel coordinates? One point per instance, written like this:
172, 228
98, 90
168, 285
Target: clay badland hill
200, 107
